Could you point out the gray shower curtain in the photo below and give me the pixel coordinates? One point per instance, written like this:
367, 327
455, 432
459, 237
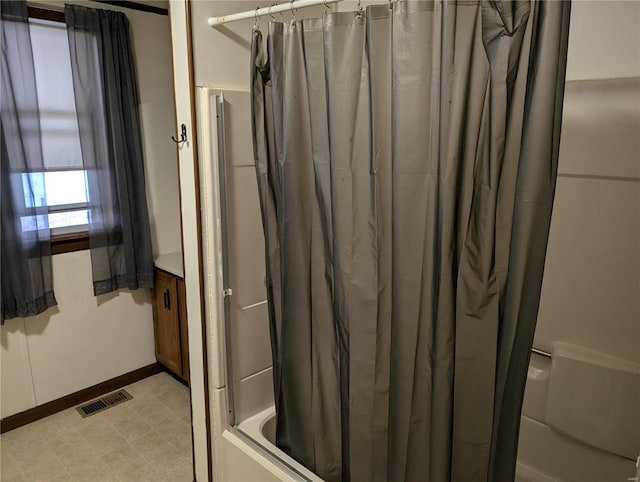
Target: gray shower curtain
406, 160
26, 282
106, 94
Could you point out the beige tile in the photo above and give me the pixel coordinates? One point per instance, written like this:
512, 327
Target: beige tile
62, 478
26, 452
123, 461
178, 403
119, 444
175, 391
148, 406
162, 456
160, 383
9, 467
96, 430
43, 468
159, 418
180, 471
57, 430
109, 442
132, 429
182, 442
65, 440
15, 478
139, 473
147, 442
96, 471
76, 455
173, 427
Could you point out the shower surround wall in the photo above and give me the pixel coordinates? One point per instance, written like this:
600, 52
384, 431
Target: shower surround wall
592, 261
221, 58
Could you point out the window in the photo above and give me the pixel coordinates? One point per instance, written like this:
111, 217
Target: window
62, 187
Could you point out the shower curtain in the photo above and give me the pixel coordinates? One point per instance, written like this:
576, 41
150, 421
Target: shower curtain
106, 94
26, 277
406, 158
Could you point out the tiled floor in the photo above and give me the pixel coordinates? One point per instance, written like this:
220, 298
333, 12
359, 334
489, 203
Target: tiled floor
144, 439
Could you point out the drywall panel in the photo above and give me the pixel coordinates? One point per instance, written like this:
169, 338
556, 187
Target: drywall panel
591, 286
250, 340
16, 394
86, 339
604, 40
152, 44
601, 128
246, 238
253, 394
542, 450
221, 54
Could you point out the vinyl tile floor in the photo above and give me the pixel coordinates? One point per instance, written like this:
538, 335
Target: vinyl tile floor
147, 438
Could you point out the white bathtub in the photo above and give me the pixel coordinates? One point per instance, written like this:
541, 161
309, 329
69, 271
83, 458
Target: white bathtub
537, 441
261, 428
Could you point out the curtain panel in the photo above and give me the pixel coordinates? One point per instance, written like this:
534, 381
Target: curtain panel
106, 96
406, 160
26, 276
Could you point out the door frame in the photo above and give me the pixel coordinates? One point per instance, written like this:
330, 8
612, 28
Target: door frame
189, 182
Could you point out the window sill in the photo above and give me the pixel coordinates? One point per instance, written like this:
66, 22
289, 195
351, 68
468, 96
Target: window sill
68, 243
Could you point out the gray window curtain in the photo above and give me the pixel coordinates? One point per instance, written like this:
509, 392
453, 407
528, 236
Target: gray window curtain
105, 89
26, 279
406, 161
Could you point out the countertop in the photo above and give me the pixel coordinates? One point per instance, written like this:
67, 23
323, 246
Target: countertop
170, 262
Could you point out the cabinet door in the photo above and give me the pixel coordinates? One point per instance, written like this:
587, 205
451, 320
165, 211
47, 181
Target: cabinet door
165, 319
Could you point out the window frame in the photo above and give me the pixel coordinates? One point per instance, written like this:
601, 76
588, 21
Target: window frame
61, 242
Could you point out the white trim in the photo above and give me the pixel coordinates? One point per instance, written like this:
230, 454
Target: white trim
190, 239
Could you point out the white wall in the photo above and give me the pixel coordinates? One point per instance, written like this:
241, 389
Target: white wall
87, 340
604, 40
83, 341
152, 49
221, 55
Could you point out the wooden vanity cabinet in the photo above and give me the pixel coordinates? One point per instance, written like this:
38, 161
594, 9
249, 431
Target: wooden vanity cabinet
170, 323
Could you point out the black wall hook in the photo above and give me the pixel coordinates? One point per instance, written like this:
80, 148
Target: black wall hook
183, 135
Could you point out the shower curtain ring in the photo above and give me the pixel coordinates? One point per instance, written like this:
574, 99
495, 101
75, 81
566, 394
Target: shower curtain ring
293, 12
326, 5
270, 14
256, 26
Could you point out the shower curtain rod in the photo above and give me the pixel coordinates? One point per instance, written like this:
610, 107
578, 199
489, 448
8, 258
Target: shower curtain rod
260, 12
